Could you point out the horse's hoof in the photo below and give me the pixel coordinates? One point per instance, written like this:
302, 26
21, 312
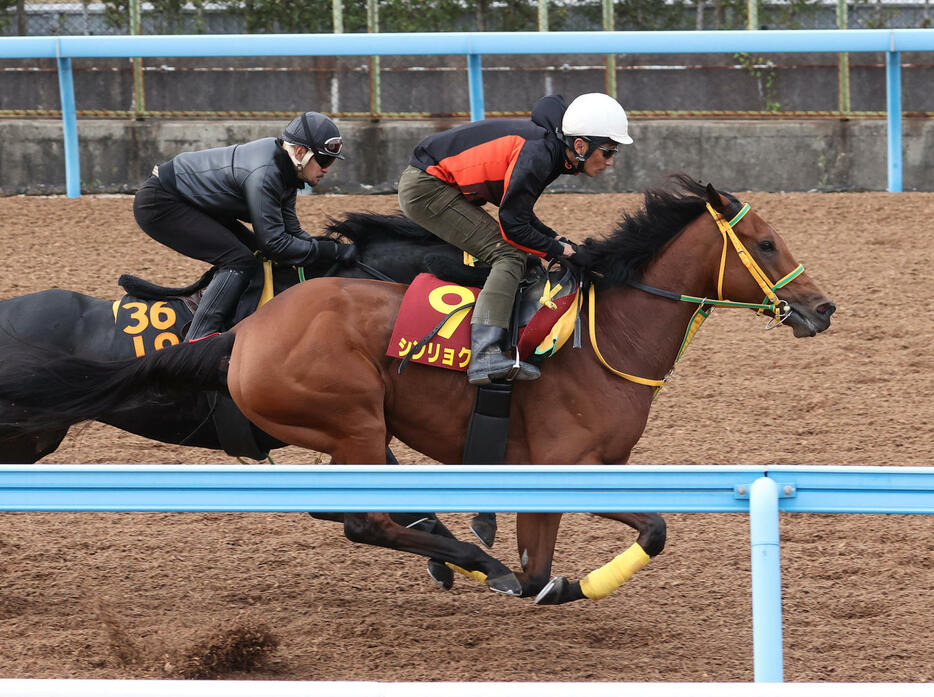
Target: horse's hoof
507, 584
441, 574
554, 592
483, 525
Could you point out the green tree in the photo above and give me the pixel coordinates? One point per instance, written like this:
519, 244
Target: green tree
166, 16
645, 15
287, 16
7, 13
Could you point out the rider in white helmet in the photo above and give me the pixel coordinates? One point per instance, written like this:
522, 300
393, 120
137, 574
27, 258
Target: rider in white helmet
592, 122
509, 163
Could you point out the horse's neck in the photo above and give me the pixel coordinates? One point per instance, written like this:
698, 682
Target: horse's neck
645, 331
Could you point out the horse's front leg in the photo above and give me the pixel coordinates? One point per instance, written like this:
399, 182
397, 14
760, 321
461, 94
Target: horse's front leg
536, 534
379, 529
603, 581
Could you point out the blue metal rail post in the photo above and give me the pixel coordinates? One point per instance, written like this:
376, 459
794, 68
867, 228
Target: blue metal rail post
766, 581
475, 84
893, 94
70, 127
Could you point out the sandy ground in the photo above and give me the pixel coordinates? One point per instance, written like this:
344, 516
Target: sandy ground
170, 595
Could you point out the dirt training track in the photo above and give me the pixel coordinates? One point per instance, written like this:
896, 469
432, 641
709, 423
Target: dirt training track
168, 595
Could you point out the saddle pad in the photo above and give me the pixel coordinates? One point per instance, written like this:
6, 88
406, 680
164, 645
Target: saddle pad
426, 302
429, 299
143, 326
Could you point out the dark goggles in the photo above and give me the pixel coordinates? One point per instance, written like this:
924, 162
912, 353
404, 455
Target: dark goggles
608, 148
329, 152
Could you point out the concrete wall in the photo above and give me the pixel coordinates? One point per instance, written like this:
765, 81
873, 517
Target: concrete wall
735, 155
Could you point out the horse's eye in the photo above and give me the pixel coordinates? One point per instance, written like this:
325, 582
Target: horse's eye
767, 246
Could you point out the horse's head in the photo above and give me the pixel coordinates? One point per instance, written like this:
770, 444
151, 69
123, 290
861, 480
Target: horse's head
757, 267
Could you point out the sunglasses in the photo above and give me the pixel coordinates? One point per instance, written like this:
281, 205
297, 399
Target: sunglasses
607, 152
332, 148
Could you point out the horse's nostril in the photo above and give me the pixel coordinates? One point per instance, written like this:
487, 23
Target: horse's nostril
826, 309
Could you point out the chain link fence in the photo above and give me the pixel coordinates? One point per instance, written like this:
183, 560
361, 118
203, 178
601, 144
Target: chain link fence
436, 86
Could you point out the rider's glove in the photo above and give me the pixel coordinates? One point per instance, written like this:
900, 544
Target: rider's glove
327, 250
346, 254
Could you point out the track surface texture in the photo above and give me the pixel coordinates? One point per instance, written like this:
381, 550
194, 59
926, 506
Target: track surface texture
281, 596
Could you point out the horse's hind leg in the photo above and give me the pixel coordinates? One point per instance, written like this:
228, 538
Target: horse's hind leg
603, 581
380, 530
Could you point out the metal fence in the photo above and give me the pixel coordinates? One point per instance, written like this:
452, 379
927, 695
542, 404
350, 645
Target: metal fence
43, 18
651, 86
890, 43
760, 492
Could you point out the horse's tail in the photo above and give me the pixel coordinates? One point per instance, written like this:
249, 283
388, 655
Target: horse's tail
40, 388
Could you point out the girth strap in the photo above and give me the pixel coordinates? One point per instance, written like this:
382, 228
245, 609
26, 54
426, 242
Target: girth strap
488, 431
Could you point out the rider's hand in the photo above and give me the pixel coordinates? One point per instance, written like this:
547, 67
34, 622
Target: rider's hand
346, 254
569, 249
327, 250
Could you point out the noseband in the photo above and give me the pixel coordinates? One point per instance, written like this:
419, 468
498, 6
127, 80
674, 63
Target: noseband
780, 309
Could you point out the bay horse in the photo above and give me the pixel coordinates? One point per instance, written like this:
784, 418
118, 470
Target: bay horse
310, 369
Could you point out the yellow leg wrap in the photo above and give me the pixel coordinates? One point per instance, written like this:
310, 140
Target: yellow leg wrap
475, 575
600, 583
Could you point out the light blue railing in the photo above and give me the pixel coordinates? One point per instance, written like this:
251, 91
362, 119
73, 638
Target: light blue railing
761, 492
891, 42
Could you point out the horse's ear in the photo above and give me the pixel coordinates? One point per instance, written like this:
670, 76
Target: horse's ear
715, 199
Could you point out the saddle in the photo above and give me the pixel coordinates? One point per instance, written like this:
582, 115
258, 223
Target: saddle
258, 292
543, 318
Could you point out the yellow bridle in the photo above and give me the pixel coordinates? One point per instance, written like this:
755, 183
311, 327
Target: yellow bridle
779, 308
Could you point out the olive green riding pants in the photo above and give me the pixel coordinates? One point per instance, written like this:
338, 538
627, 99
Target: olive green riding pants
443, 210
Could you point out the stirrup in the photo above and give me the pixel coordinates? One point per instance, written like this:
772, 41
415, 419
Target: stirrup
513, 372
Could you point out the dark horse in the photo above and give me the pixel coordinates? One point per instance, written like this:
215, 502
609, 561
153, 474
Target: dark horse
389, 247
310, 369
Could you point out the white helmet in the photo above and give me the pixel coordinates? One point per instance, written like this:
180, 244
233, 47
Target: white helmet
596, 115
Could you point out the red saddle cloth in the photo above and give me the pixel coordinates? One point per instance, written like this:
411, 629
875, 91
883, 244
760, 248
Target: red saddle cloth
429, 299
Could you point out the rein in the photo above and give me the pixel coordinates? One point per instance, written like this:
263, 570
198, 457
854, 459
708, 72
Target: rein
778, 307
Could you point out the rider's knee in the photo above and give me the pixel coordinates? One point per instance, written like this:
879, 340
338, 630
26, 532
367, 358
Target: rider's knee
654, 535
247, 264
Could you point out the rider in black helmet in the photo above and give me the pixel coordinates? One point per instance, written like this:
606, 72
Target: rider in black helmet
194, 204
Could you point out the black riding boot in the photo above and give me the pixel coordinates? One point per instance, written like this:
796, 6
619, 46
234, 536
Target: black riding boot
217, 303
487, 360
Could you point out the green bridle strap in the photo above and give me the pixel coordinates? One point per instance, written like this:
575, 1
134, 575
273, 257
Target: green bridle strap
739, 216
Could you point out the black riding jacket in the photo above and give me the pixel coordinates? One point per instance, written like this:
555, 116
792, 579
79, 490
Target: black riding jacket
254, 182
506, 162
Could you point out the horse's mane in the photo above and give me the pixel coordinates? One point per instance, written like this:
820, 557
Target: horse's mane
367, 228
640, 236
